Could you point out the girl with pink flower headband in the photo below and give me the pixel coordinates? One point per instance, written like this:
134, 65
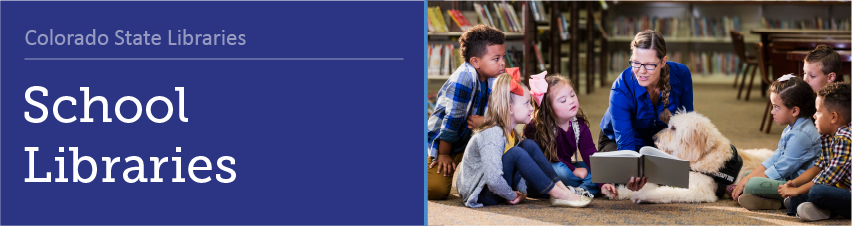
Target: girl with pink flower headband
561, 129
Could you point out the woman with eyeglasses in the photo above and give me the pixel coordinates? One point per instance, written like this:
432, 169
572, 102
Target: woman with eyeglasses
643, 98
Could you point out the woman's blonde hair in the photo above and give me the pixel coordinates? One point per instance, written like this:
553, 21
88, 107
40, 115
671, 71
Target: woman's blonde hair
653, 40
545, 118
499, 103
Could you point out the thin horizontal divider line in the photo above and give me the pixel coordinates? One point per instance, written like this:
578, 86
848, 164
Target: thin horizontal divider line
213, 58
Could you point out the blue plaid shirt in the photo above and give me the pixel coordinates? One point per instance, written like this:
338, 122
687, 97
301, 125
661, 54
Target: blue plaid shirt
461, 96
834, 158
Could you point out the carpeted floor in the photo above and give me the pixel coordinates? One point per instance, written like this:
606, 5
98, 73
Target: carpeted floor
738, 120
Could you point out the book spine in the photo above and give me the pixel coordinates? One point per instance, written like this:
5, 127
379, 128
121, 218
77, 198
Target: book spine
441, 56
439, 27
534, 10
455, 19
487, 13
435, 60
538, 55
432, 19
464, 20
520, 25
503, 24
509, 59
458, 57
479, 14
441, 18
508, 15
504, 11
451, 59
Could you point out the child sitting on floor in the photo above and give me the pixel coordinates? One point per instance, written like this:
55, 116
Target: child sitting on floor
494, 168
561, 130
793, 105
461, 104
824, 189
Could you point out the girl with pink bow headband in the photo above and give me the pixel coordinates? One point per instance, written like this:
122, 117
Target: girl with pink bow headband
561, 129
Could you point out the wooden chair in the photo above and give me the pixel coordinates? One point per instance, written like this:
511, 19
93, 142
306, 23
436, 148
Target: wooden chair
758, 48
749, 61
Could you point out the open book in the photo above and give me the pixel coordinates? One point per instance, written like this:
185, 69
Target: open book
657, 166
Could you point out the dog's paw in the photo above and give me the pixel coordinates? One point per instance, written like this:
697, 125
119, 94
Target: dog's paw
608, 194
637, 199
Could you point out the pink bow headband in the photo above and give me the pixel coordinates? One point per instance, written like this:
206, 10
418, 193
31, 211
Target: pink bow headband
538, 86
786, 77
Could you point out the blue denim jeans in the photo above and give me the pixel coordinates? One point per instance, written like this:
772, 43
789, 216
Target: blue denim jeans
831, 198
567, 176
524, 161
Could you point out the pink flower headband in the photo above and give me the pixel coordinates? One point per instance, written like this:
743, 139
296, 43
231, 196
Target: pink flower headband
538, 86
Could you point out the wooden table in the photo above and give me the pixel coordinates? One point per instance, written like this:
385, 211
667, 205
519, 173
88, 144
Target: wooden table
765, 33
766, 38
845, 59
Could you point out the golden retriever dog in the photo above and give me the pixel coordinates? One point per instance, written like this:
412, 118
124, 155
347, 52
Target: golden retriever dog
692, 137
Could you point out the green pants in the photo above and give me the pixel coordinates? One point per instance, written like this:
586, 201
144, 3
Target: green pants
763, 187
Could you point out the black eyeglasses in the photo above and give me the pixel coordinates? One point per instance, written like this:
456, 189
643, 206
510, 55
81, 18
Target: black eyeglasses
647, 66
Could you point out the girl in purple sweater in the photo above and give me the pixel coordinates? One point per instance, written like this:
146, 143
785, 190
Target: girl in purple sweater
561, 129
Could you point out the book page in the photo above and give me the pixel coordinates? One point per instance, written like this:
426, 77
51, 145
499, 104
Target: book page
648, 150
622, 153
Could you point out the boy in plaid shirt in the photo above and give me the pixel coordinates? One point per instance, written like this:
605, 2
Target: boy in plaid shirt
461, 104
824, 189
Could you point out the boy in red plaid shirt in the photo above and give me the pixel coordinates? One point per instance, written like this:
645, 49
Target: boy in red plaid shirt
824, 189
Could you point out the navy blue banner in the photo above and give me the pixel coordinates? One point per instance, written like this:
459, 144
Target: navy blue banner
233, 112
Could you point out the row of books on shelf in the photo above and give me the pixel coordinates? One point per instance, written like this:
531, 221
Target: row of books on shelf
817, 23
503, 16
668, 26
537, 8
629, 26
563, 28
444, 58
714, 27
436, 22
706, 63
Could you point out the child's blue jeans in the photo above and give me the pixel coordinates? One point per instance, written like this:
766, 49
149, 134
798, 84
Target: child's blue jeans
523, 161
572, 180
831, 198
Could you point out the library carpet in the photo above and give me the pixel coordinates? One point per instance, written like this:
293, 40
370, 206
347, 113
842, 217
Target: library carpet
738, 120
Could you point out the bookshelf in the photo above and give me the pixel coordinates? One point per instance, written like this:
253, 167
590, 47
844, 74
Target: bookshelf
510, 20
453, 15
560, 37
583, 23
687, 34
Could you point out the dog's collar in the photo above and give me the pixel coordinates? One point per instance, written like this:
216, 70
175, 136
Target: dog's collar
735, 162
727, 174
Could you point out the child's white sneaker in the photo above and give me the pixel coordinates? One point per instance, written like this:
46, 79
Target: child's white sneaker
580, 191
583, 201
809, 212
